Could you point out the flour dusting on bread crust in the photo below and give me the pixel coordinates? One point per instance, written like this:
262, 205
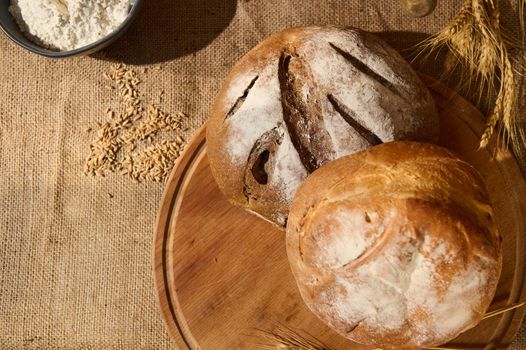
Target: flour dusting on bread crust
332, 91
395, 247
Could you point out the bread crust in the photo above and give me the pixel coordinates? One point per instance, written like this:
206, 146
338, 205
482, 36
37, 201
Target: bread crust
304, 97
395, 247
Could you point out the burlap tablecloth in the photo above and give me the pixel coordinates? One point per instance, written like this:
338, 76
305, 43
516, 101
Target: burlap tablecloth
75, 251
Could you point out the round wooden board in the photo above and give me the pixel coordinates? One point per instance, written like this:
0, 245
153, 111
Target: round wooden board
222, 273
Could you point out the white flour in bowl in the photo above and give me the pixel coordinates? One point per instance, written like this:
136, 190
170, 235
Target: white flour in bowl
69, 24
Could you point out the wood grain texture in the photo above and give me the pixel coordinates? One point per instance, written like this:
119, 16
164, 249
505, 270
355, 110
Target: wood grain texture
221, 273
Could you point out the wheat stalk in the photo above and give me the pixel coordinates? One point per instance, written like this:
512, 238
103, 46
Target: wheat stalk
478, 49
286, 338
502, 310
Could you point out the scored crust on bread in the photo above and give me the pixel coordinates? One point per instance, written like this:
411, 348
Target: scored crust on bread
304, 97
395, 247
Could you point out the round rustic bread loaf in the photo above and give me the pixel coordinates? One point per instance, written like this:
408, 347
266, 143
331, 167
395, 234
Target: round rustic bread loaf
301, 98
395, 247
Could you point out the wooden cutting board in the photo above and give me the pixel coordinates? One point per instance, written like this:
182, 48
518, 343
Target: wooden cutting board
222, 274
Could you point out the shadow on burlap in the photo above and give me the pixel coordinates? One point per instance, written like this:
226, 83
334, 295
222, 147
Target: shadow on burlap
75, 251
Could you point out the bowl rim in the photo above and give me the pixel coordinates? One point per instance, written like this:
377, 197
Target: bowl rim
90, 48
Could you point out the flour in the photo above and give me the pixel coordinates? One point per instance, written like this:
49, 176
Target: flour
69, 24
262, 111
288, 172
362, 94
404, 283
344, 248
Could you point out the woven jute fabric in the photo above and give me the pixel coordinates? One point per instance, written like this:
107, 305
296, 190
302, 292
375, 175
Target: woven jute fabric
75, 251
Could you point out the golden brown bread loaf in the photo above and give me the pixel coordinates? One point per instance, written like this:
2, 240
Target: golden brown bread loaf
395, 247
304, 97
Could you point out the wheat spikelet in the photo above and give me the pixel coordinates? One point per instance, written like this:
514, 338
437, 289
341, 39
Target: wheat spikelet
285, 338
478, 50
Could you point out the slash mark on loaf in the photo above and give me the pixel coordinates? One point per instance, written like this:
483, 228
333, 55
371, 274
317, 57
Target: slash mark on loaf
260, 161
362, 67
302, 115
241, 99
350, 117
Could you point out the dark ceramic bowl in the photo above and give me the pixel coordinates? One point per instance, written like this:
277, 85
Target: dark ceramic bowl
11, 29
